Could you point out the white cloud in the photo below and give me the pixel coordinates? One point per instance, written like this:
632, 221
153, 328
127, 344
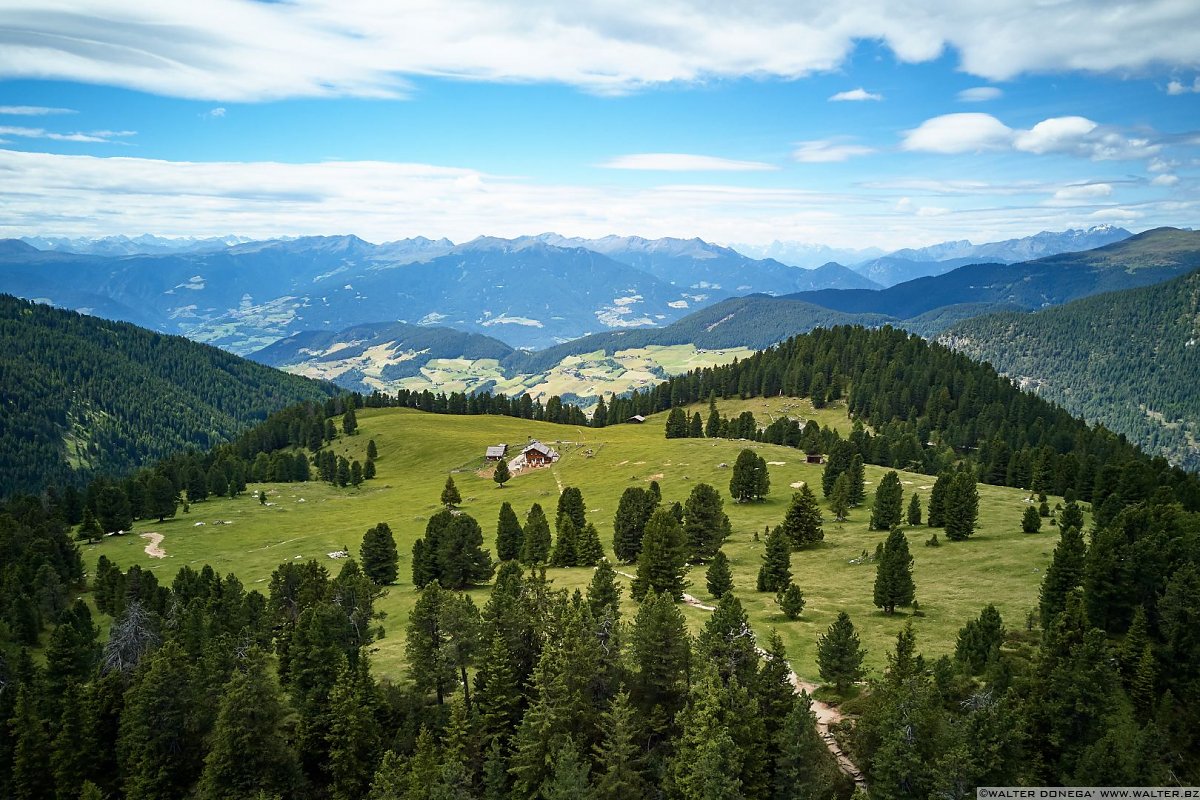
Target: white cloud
824, 151
1081, 193
101, 137
858, 94
683, 162
979, 94
249, 50
976, 132
958, 133
1165, 180
215, 113
1178, 87
33, 111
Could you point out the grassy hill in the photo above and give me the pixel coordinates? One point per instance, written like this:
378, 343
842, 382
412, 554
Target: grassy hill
1128, 360
85, 396
417, 451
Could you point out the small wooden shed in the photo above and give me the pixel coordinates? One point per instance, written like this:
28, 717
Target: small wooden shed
636, 419
496, 452
814, 458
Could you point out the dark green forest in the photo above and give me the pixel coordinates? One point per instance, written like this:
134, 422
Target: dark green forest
85, 396
1128, 360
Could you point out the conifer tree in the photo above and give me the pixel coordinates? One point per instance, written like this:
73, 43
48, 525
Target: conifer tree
893, 575
660, 655
712, 426
1071, 517
603, 592
618, 757
509, 536
696, 427
356, 473
354, 734
161, 498
839, 654
719, 577
535, 547
727, 642
565, 553
790, 601
937, 500
750, 480
342, 475
1031, 521
802, 522
677, 424
629, 524
378, 554
31, 778
705, 523
858, 481
803, 766
662, 561
568, 778
372, 450
914, 510
501, 475
600, 415
461, 560
1064, 575
390, 781
450, 495
349, 421
889, 499
89, 529
961, 507
71, 752
979, 640
589, 551
708, 763
249, 751
427, 644
776, 570
836, 465
571, 505
839, 498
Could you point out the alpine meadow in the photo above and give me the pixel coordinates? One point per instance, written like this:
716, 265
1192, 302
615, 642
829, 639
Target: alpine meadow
548, 403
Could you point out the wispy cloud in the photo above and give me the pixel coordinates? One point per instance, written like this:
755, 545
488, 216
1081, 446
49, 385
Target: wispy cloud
854, 95
33, 111
214, 113
96, 137
979, 94
683, 162
1178, 87
827, 151
217, 49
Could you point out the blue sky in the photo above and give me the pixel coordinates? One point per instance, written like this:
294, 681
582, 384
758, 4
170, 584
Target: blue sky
885, 124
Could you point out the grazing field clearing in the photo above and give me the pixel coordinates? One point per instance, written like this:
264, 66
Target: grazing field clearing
998, 565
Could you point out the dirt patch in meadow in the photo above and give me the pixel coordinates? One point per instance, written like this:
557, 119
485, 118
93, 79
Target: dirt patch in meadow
154, 549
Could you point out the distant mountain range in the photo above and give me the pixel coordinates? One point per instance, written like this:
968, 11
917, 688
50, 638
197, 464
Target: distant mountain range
1126, 359
529, 292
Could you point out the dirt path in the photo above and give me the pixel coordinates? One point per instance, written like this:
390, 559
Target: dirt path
153, 549
826, 714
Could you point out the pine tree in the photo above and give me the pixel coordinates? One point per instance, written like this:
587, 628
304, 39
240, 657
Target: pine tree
31, 774
727, 642
961, 507
803, 766
600, 415
712, 426
568, 776
427, 643
161, 498
461, 560
378, 554
342, 475
677, 424
629, 524
589, 550
705, 524
839, 498
497, 694
618, 757
565, 553
354, 735
249, 751
914, 510
790, 601
1031, 521
662, 561
450, 495
603, 592
509, 536
893, 575
349, 421
937, 500
889, 499
776, 570
535, 547
660, 655
836, 465
372, 451
708, 763
719, 577
89, 529
839, 655
571, 505
858, 481
749, 480
501, 475
802, 522
1064, 575
696, 427
390, 781
113, 511
1071, 517
979, 641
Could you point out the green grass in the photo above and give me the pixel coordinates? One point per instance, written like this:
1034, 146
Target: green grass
999, 565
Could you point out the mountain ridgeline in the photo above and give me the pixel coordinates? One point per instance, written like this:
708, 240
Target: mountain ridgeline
84, 396
1128, 360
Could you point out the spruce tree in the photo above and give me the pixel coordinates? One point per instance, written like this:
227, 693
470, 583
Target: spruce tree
776, 570
249, 751
349, 421
1071, 517
961, 507
803, 766
889, 499
802, 522
600, 415
372, 451
31, 777
745, 482
858, 481
354, 734
161, 498
565, 553
535, 547
836, 465
589, 550
937, 500
603, 592
712, 426
568, 778
727, 642
1031, 521
571, 505
893, 575
677, 424
839, 654
839, 498
427, 643
979, 641
705, 523
914, 510
1064, 575
662, 561
501, 475
707, 763
790, 601
719, 577
461, 559
660, 656
629, 524
696, 427
509, 536
378, 554
450, 495
618, 756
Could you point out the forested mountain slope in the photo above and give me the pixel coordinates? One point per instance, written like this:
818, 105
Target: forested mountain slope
1128, 360
84, 395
